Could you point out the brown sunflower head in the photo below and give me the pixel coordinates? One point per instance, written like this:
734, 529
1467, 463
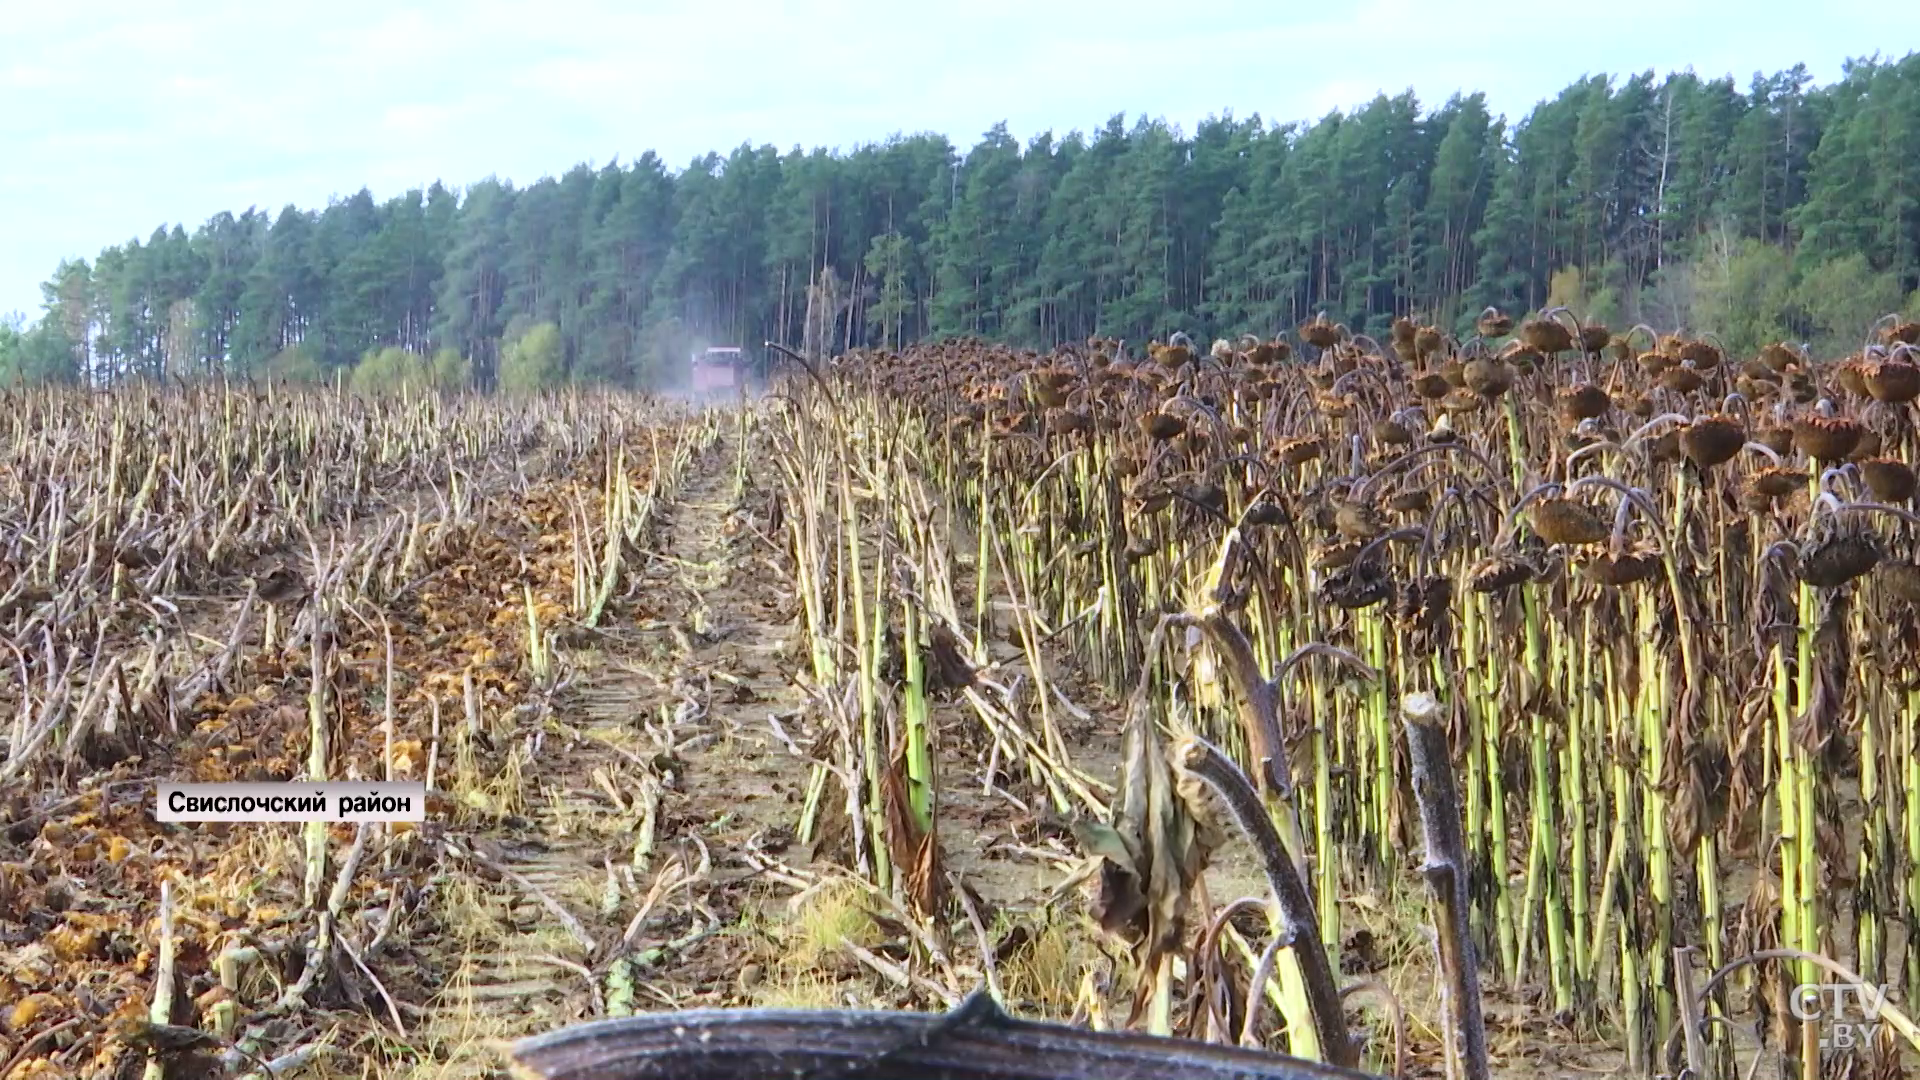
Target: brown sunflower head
1319, 332
1584, 402
1392, 433
1498, 573
1838, 558
1703, 355
1561, 519
1682, 379
1901, 580
1780, 356
1162, 426
1892, 380
1890, 479
1547, 335
1777, 482
1487, 376
1713, 440
1827, 439
1614, 569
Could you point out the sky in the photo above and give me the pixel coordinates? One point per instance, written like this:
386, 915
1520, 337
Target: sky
117, 116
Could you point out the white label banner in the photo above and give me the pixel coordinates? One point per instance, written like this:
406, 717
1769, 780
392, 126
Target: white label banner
291, 802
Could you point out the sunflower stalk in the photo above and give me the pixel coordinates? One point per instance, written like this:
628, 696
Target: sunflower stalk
1298, 926
1445, 870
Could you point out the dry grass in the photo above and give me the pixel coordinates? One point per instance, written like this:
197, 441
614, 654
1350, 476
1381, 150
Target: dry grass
833, 918
1045, 974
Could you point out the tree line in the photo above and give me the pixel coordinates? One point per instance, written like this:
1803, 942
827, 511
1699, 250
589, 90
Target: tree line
1781, 209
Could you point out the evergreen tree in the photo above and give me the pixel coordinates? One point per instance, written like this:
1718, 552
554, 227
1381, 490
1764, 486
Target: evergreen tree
1780, 207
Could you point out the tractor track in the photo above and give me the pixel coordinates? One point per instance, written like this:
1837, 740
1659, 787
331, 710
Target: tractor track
662, 732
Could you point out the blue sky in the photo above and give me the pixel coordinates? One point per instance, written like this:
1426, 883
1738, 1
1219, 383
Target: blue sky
120, 115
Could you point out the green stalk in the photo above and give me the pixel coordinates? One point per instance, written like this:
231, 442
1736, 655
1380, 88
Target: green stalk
1554, 899
866, 641
1382, 736
1327, 876
1630, 1003
1912, 819
1573, 786
1787, 790
1868, 944
1498, 834
1543, 886
1659, 854
1803, 769
610, 559
319, 749
536, 643
1707, 866
1476, 813
983, 519
919, 759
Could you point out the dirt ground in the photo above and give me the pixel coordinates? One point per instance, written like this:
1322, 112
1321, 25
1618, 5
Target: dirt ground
627, 843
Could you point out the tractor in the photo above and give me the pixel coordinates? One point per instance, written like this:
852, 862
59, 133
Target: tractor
718, 372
